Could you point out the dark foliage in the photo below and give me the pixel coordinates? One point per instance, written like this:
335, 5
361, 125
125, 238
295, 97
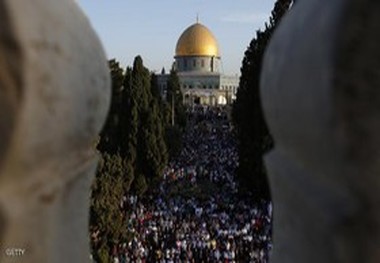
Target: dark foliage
251, 129
133, 151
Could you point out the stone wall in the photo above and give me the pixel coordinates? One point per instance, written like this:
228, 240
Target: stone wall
321, 96
54, 97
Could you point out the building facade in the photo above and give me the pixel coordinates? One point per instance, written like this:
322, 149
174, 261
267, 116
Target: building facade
198, 64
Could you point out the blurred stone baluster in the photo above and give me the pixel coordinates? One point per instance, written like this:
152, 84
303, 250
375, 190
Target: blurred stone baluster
321, 96
54, 97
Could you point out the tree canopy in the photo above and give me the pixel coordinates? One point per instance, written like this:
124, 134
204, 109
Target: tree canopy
133, 149
252, 131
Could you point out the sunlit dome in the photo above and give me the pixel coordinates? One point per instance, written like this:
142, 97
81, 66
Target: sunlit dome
197, 40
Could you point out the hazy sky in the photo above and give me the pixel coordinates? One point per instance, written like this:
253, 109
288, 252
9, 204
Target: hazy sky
151, 28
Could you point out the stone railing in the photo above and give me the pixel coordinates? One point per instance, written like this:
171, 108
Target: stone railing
54, 97
321, 96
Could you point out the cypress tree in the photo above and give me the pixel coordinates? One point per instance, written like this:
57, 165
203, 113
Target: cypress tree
129, 128
134, 152
105, 213
151, 152
252, 131
174, 101
110, 135
159, 121
174, 98
140, 95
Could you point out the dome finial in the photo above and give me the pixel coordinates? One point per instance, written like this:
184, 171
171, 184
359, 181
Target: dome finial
197, 18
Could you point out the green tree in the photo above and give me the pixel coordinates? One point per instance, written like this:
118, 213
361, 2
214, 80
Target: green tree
173, 137
105, 211
175, 123
162, 103
133, 150
110, 135
156, 122
252, 131
129, 127
174, 98
152, 155
140, 185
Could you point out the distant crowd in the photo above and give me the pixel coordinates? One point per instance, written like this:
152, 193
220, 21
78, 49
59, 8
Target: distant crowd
220, 226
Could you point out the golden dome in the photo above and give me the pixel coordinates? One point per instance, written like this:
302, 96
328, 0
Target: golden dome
197, 40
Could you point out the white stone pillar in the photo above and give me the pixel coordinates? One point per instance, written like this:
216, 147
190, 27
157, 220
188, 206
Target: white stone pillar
54, 97
321, 96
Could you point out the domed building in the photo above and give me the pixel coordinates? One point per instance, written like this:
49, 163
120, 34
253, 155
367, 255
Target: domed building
197, 61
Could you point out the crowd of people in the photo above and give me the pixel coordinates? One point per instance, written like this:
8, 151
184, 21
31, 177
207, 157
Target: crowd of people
220, 226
